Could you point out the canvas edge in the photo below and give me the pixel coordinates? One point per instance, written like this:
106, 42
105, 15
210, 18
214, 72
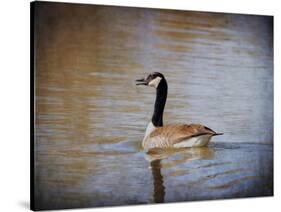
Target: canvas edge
32, 156
146, 7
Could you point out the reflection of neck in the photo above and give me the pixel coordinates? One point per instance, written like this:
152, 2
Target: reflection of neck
159, 188
161, 96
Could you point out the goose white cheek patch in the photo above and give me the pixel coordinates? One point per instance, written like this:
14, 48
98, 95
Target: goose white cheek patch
155, 82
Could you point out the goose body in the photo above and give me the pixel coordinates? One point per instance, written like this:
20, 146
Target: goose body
171, 136
177, 136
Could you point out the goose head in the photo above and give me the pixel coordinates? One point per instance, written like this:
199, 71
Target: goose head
152, 80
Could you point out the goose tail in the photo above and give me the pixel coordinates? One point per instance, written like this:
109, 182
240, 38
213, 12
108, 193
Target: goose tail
218, 134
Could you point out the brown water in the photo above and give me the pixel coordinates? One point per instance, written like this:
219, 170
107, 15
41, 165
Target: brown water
91, 118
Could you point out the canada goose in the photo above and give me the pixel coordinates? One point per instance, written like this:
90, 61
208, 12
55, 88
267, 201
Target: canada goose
177, 135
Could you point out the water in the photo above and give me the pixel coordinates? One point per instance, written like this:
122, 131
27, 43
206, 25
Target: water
91, 118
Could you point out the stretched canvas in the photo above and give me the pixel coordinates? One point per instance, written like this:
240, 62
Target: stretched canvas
196, 125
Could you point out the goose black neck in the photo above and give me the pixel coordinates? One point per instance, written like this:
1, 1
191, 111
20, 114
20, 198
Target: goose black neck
161, 96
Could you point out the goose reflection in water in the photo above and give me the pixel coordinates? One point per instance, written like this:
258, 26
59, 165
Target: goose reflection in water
159, 188
158, 157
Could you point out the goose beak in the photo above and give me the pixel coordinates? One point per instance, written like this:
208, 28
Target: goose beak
141, 82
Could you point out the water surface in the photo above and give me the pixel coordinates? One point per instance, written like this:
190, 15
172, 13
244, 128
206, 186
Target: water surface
91, 118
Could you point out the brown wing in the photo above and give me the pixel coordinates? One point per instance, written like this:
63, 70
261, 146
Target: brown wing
176, 133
